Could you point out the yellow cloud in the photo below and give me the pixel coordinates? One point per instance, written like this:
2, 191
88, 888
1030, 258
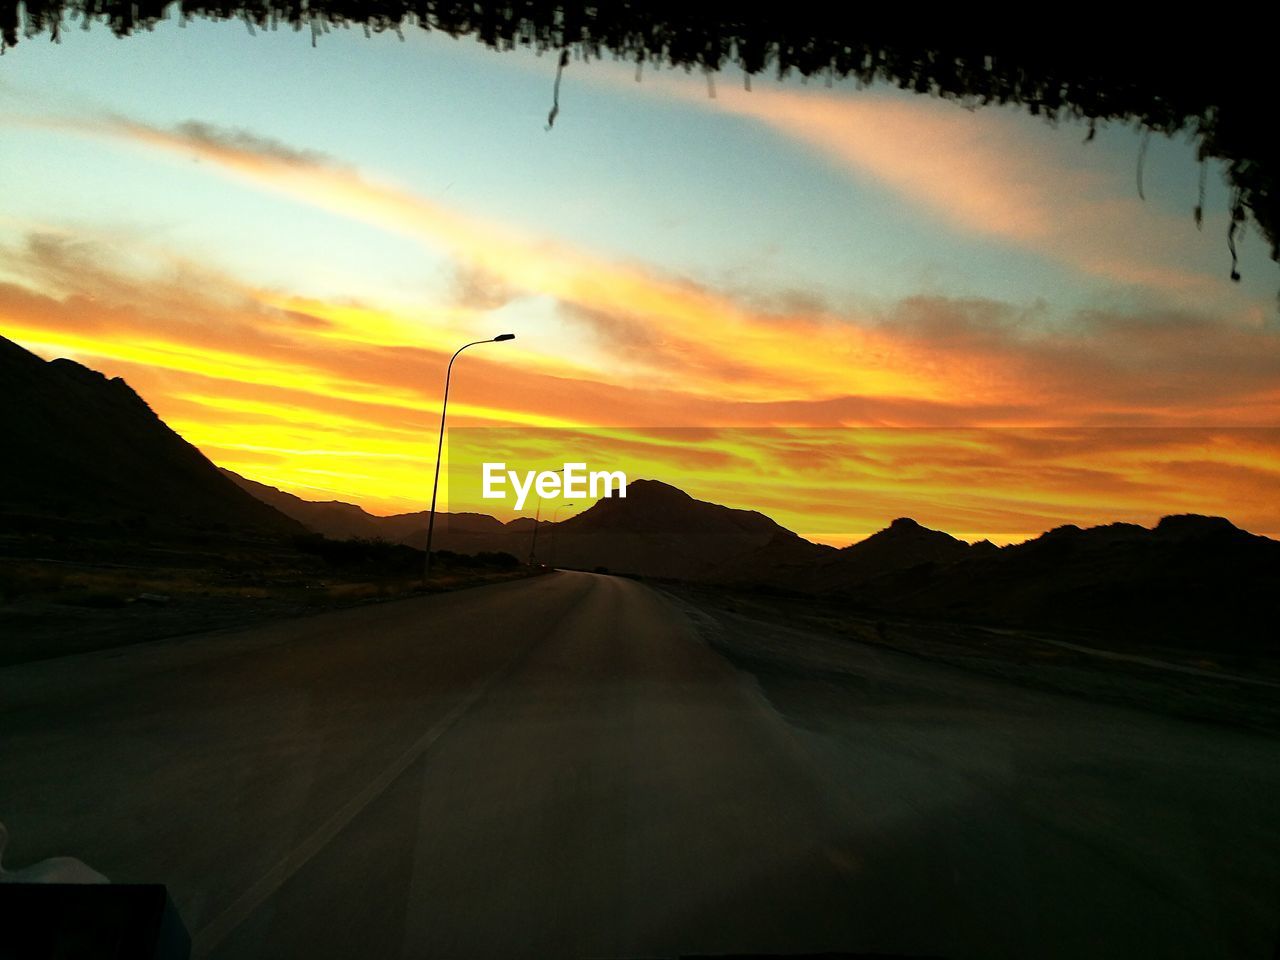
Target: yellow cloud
349, 406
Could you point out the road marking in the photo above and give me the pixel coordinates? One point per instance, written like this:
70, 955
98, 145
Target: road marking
217, 929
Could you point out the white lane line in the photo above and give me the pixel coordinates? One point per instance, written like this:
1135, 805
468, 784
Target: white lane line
217, 929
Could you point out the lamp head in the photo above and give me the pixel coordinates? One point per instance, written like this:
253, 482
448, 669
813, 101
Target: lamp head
504, 336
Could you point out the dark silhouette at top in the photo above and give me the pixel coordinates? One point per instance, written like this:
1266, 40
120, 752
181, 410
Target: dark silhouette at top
1212, 80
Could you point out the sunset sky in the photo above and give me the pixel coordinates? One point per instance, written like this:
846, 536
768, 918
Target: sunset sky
833, 305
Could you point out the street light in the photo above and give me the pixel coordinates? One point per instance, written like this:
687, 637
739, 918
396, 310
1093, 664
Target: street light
444, 408
537, 517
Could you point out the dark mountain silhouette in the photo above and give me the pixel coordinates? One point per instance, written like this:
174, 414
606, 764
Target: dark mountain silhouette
659, 530
1191, 580
903, 545
468, 533
656, 530
459, 532
81, 448
333, 518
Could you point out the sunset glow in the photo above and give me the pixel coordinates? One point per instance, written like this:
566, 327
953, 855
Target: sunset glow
835, 306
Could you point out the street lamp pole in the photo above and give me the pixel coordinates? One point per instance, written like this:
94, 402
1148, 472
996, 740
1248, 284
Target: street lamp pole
533, 540
444, 408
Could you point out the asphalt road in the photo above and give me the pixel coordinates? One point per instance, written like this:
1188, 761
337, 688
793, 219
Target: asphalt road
563, 766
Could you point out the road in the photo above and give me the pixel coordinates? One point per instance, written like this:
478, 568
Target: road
562, 766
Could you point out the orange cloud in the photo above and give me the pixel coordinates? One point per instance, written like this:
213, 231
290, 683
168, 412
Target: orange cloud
340, 399
690, 337
327, 418
984, 362
681, 336
845, 483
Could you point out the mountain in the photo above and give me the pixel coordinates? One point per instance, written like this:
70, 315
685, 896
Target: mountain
903, 545
80, 447
83, 449
333, 518
659, 530
459, 532
466, 532
1191, 580
656, 530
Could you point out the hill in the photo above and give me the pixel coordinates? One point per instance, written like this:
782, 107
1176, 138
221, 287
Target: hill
81, 448
656, 530
903, 545
1189, 581
460, 532
659, 530
1192, 581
